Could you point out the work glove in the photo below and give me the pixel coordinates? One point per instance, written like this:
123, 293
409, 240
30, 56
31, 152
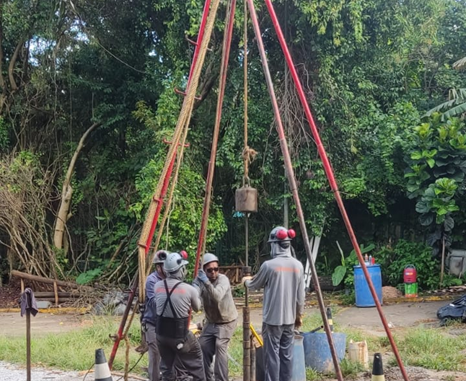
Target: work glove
202, 276
298, 321
245, 278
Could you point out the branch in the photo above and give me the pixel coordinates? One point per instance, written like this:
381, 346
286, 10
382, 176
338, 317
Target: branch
11, 67
67, 192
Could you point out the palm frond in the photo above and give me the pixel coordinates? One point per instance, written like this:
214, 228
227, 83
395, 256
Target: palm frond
460, 64
456, 106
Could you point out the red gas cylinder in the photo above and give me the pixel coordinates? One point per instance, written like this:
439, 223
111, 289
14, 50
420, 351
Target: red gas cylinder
410, 274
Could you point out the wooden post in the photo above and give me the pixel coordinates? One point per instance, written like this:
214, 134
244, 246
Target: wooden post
55, 291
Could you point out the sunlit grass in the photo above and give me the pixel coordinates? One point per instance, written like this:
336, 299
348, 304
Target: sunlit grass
74, 350
431, 348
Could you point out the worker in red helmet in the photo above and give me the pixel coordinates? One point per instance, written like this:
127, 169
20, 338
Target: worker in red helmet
282, 279
148, 319
174, 300
220, 316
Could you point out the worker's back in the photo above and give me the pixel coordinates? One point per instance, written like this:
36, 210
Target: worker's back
282, 290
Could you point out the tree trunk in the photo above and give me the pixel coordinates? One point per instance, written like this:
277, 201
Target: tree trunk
442, 267
67, 192
2, 79
11, 66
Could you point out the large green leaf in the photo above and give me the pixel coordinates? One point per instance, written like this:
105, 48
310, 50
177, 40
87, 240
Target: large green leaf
422, 207
426, 219
338, 275
455, 111
449, 223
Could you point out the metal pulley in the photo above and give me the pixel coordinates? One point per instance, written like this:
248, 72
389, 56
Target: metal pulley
246, 199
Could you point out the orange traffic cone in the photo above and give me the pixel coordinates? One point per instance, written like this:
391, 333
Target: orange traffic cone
101, 369
377, 368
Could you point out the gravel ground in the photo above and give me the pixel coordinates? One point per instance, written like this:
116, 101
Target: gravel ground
10, 372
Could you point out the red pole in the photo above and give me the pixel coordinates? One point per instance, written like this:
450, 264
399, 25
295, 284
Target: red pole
163, 193
331, 178
293, 186
218, 118
133, 289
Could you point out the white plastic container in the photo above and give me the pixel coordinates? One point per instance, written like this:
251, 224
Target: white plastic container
357, 352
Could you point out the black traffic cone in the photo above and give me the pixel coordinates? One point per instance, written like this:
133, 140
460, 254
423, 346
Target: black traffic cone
377, 368
101, 369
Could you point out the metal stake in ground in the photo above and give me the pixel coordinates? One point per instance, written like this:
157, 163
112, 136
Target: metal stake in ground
28, 307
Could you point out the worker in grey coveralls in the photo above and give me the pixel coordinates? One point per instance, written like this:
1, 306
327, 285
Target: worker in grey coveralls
220, 315
149, 318
174, 300
282, 278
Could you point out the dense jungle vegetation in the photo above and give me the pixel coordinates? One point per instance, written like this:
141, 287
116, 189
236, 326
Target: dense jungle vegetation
87, 99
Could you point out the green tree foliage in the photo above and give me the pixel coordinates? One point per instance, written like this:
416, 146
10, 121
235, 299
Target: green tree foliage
436, 173
370, 68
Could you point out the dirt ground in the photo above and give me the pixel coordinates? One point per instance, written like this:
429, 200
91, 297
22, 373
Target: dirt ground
399, 316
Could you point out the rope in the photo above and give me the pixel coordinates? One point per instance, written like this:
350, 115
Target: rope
226, 44
248, 153
245, 83
182, 123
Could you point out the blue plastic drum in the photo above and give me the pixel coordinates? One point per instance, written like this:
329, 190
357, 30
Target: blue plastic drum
361, 288
317, 353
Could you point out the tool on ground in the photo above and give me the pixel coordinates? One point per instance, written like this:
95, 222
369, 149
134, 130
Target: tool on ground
256, 335
101, 368
377, 368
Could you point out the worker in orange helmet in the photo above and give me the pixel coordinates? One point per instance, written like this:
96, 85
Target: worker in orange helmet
282, 279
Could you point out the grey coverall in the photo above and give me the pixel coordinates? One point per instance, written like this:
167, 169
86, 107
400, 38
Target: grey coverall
187, 350
283, 281
149, 321
221, 314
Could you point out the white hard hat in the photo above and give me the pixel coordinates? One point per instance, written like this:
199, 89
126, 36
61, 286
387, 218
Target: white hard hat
209, 257
174, 262
160, 257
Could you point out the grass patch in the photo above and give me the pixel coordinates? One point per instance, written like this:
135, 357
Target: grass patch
433, 349
74, 350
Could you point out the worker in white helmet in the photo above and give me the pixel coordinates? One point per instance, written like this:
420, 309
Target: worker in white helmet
282, 279
220, 316
149, 318
174, 301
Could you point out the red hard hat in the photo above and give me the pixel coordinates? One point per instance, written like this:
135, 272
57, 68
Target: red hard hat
280, 233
